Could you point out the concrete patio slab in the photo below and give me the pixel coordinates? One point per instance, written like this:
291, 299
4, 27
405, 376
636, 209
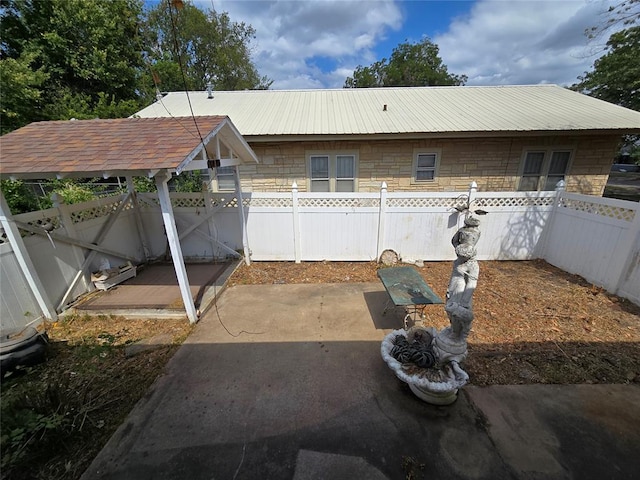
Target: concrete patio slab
287, 382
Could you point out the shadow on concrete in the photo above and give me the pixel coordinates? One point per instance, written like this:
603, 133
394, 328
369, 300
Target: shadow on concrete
251, 410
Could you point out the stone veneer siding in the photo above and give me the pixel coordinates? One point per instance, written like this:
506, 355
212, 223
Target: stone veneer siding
492, 162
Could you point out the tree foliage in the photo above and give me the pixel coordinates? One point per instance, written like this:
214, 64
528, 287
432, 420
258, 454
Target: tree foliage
615, 76
204, 46
82, 54
410, 65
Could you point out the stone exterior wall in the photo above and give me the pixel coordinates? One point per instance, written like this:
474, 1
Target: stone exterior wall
494, 163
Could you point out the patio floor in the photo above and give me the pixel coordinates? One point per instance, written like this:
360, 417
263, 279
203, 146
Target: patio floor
155, 288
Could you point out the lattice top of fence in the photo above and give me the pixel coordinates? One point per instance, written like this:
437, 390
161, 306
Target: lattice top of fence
602, 206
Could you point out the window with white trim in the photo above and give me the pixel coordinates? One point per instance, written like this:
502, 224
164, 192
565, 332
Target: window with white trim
225, 178
332, 172
543, 169
425, 165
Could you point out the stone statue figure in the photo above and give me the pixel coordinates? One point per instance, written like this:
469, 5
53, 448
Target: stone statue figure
451, 343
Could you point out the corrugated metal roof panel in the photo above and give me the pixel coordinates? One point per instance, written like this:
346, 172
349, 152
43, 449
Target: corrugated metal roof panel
409, 110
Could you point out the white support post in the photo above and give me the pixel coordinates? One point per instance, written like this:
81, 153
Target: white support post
382, 214
131, 188
174, 245
24, 260
296, 223
243, 224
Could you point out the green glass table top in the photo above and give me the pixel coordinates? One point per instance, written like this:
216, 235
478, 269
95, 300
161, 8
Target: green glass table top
406, 287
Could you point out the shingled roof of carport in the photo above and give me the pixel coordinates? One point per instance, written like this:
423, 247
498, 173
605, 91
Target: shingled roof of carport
106, 146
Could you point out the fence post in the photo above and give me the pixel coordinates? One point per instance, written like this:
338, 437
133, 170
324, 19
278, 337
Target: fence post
131, 188
382, 214
542, 251
473, 189
296, 222
627, 249
67, 223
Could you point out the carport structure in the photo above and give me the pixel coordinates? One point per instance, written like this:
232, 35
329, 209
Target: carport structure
130, 147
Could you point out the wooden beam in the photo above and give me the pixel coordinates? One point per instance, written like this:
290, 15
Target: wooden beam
174, 245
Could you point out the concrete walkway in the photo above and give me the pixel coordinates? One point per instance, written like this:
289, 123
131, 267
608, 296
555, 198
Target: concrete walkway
287, 382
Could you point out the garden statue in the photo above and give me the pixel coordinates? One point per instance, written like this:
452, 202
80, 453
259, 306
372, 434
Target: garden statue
428, 360
451, 343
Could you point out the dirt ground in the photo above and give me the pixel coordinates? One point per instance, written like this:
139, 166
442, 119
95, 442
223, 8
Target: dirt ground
533, 323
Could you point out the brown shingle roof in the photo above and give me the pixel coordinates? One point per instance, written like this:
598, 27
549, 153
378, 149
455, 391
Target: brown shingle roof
97, 146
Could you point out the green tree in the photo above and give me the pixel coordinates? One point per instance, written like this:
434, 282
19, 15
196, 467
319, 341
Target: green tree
615, 77
410, 65
206, 46
83, 54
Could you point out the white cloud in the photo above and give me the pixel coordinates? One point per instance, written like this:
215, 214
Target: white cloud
317, 44
521, 42
293, 38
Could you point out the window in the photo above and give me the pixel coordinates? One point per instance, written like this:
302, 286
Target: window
425, 165
332, 172
225, 177
543, 169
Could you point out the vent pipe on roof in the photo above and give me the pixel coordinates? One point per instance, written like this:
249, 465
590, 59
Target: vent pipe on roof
384, 107
209, 90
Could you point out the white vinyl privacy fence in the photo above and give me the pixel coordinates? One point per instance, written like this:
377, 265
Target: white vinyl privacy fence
594, 237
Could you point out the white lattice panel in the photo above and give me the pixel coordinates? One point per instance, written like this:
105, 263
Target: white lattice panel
513, 202
187, 202
435, 202
602, 209
98, 211
279, 202
338, 202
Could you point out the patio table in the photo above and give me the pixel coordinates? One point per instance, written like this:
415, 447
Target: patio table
406, 288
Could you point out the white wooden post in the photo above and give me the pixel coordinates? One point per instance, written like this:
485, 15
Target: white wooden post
296, 223
382, 214
24, 260
131, 188
243, 223
174, 245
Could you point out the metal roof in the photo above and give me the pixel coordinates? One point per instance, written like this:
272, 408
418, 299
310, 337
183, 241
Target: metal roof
260, 114
124, 146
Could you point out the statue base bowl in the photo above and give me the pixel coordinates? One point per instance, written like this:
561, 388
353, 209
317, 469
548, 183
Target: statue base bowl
438, 386
434, 398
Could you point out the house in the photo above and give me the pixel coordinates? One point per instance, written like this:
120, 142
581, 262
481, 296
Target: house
415, 139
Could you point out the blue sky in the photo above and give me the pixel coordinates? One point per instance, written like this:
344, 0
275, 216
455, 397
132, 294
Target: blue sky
317, 44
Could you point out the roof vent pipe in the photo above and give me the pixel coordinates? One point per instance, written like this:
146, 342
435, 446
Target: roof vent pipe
384, 107
209, 90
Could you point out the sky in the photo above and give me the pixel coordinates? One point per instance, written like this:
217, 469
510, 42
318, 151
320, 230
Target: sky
318, 43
